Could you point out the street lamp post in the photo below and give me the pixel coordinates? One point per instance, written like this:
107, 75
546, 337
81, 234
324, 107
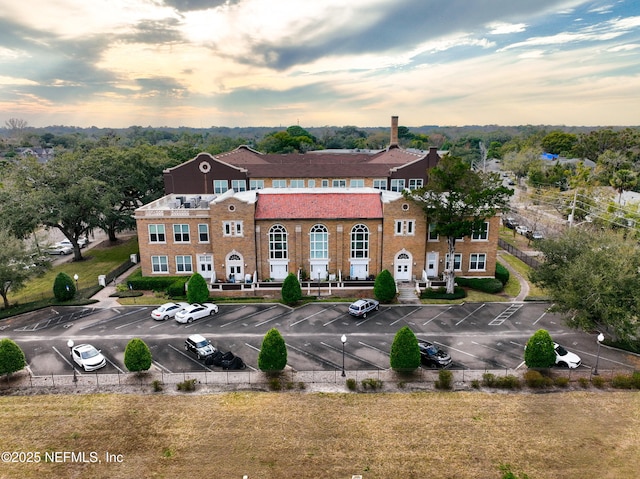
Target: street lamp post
76, 277
600, 339
70, 344
344, 341
318, 284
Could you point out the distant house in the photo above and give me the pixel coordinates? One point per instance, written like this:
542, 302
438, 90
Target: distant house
41, 154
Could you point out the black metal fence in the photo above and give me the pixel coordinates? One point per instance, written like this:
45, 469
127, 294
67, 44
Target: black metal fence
525, 258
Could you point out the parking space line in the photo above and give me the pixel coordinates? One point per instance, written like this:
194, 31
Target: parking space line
311, 316
189, 357
541, 316
471, 313
506, 314
405, 316
108, 320
374, 348
114, 365
160, 366
63, 356
313, 356
352, 356
440, 313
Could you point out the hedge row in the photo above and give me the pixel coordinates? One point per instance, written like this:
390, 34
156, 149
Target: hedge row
486, 285
172, 285
441, 293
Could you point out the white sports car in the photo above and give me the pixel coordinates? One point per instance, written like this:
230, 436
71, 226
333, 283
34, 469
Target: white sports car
196, 311
167, 310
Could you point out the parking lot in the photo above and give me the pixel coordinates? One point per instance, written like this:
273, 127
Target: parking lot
477, 335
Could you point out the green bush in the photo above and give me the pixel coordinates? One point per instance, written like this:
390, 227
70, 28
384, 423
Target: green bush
508, 382
176, 289
188, 385
291, 291
351, 384
561, 381
405, 353
371, 383
64, 288
584, 382
275, 384
502, 274
539, 352
157, 385
197, 289
441, 293
144, 283
272, 357
489, 380
137, 356
623, 381
12, 358
384, 287
445, 380
486, 285
598, 381
534, 379
475, 383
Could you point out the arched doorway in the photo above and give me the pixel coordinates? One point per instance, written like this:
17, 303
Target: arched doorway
402, 266
235, 267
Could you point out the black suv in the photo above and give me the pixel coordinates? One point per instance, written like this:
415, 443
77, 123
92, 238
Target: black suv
432, 355
199, 345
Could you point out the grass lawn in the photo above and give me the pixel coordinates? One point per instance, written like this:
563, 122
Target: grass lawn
327, 435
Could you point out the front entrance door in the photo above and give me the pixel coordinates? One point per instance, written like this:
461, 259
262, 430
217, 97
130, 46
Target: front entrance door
319, 270
403, 266
432, 265
235, 268
205, 265
279, 270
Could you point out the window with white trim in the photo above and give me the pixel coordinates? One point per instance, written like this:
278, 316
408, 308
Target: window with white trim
380, 183
432, 235
338, 183
356, 183
457, 261
279, 183
256, 184
405, 227
239, 185
156, 234
232, 228
296, 183
415, 183
397, 184
360, 241
278, 242
159, 264
184, 264
481, 234
203, 233
319, 242
220, 186
477, 262
311, 183
181, 233
325, 183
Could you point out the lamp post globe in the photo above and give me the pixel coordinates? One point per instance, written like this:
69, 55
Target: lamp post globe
70, 344
343, 338
600, 338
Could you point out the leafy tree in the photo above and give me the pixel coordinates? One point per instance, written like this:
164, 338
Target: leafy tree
539, 352
384, 287
291, 291
63, 287
559, 142
624, 180
458, 201
592, 278
197, 289
521, 161
273, 352
11, 357
137, 356
17, 264
405, 353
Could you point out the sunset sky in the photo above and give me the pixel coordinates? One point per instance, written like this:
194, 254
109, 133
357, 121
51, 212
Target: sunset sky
202, 63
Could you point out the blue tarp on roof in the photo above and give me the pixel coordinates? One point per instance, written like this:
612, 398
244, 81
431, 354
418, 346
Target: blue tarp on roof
549, 156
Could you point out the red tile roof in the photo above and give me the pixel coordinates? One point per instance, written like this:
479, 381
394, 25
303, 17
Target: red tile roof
318, 206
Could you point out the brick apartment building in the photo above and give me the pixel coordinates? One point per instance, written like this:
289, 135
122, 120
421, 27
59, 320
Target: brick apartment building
247, 215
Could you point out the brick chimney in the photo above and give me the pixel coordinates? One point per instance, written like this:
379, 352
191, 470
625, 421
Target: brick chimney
394, 132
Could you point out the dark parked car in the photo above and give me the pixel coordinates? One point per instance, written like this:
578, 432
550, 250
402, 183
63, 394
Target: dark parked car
510, 223
431, 355
226, 360
199, 345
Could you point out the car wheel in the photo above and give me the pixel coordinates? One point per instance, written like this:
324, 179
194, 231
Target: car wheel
190, 320
166, 316
364, 315
198, 356
377, 307
186, 348
562, 364
212, 312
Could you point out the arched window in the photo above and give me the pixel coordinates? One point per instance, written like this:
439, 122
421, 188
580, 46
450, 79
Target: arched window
234, 257
319, 246
278, 242
360, 241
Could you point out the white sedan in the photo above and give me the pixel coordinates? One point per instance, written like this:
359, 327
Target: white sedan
88, 357
196, 311
167, 310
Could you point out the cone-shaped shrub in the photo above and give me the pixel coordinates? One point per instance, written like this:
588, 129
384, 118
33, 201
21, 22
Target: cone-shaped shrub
405, 353
273, 353
11, 357
137, 356
539, 352
384, 287
197, 289
63, 287
291, 291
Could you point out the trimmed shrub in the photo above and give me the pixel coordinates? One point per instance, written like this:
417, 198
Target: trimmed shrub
405, 353
371, 383
64, 288
291, 291
584, 382
137, 356
12, 358
176, 289
157, 385
384, 287
502, 274
188, 385
539, 352
273, 352
445, 380
561, 381
622, 381
197, 289
489, 380
486, 285
534, 379
598, 381
508, 382
441, 293
351, 384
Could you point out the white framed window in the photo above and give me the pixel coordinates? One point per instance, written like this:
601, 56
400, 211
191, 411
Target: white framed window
360, 241
397, 184
432, 235
311, 183
279, 183
157, 234
184, 264
239, 185
405, 227
477, 262
380, 183
159, 264
481, 234
338, 183
278, 242
232, 228
220, 186
181, 233
457, 261
256, 184
325, 183
203, 233
319, 242
415, 183
356, 183
296, 183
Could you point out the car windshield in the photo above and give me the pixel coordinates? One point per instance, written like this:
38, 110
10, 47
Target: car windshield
89, 353
201, 344
561, 351
432, 350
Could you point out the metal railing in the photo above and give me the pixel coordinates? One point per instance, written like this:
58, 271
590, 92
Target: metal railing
525, 258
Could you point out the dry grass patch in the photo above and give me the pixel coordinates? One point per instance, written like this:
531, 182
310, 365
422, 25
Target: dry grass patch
317, 435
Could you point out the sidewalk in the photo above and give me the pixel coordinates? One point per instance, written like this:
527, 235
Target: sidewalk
104, 297
524, 284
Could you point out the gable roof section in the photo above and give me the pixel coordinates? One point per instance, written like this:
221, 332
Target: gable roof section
318, 206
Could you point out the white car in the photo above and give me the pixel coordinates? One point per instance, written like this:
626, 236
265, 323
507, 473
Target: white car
167, 310
196, 311
522, 229
82, 242
88, 357
60, 249
566, 359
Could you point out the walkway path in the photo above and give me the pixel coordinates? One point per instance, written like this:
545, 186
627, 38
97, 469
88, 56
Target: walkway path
524, 284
